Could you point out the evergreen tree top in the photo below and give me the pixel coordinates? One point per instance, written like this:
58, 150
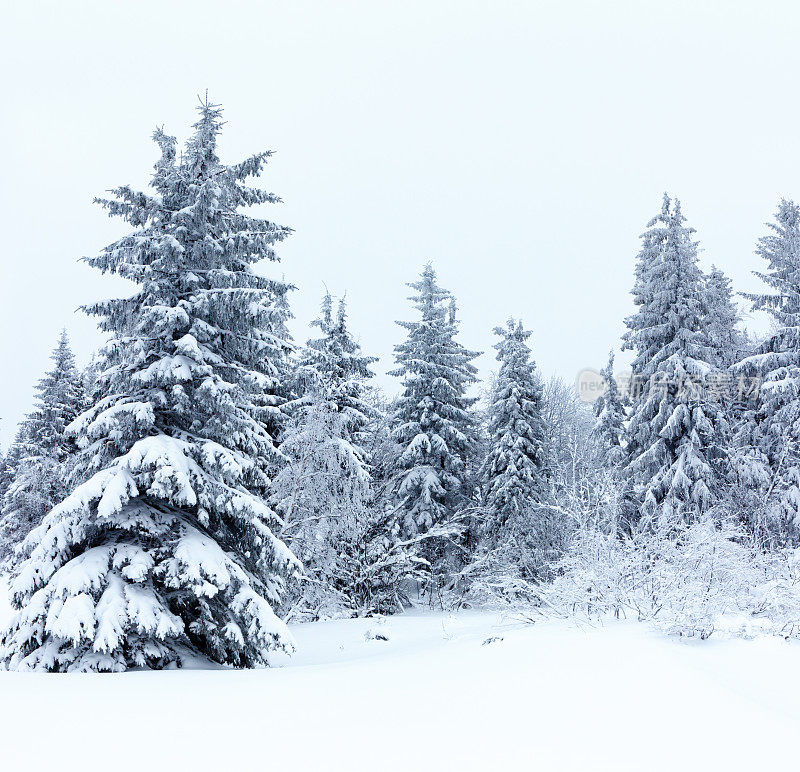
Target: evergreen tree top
334, 365
337, 354
512, 335
722, 319
514, 469
777, 358
668, 324
59, 399
609, 411
430, 350
611, 394
428, 295
194, 193
781, 250
200, 307
517, 381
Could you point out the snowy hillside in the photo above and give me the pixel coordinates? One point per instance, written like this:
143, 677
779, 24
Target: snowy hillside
548, 696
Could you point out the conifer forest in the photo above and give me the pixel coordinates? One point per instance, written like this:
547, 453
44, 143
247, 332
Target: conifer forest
359, 539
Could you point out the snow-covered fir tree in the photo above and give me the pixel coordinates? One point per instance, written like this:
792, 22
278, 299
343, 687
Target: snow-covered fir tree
324, 491
5, 474
770, 432
514, 471
433, 424
609, 412
10, 461
335, 364
722, 317
673, 425
168, 546
60, 398
10, 467
44, 450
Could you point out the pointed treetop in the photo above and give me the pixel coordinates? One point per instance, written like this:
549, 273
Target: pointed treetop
513, 331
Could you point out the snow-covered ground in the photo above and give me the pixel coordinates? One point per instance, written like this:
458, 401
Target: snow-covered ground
435, 695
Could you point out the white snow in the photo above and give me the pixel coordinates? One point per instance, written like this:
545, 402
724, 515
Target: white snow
435, 695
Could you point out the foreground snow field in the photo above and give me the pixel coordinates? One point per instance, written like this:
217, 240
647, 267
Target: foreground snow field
435, 695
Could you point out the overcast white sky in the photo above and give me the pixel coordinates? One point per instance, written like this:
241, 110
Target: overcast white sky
521, 147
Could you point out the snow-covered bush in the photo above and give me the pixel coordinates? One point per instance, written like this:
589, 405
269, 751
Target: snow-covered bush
688, 580
693, 580
323, 495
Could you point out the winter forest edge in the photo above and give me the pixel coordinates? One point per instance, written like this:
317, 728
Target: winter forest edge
206, 480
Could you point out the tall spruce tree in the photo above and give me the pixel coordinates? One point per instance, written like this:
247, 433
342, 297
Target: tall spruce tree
45, 451
514, 471
609, 411
323, 492
433, 425
168, 546
727, 341
673, 425
771, 429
